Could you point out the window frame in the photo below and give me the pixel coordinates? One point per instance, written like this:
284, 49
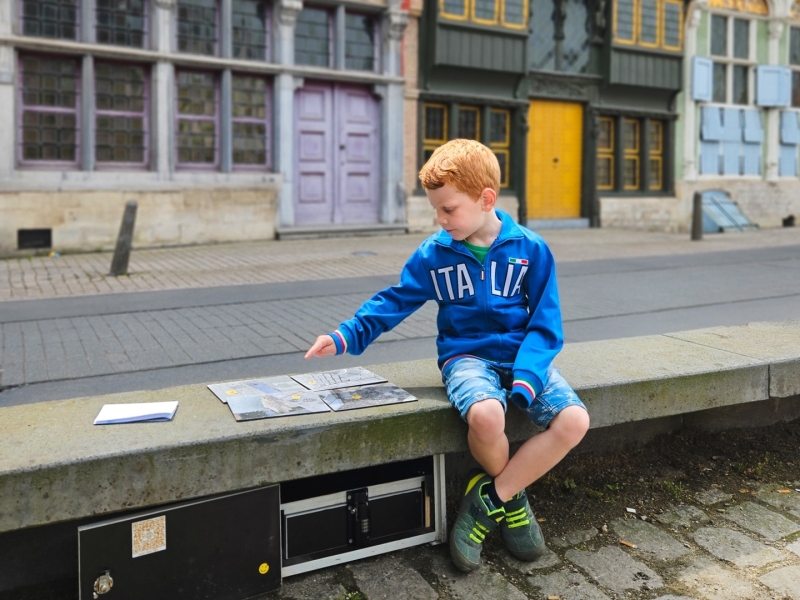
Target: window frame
633, 154
661, 22
477, 111
503, 147
145, 32
217, 30
113, 165
794, 67
608, 152
267, 55
266, 121
655, 156
730, 61
37, 164
432, 143
332, 41
198, 166
78, 22
499, 20
376, 32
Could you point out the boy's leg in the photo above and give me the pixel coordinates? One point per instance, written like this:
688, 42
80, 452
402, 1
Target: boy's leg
543, 451
487, 439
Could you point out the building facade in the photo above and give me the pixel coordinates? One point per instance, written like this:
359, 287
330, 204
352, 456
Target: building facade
576, 98
224, 119
739, 108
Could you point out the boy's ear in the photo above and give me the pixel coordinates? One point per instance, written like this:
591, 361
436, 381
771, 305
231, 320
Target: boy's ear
488, 199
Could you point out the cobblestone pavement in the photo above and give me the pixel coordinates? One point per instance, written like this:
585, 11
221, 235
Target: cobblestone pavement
725, 545
305, 260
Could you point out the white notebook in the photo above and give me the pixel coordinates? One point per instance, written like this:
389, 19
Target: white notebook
132, 413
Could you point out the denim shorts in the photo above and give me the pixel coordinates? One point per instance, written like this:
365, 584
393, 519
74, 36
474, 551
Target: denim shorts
469, 380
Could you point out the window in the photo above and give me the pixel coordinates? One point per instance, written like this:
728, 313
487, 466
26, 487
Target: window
197, 26
251, 140
512, 14
121, 22
434, 128
634, 161
730, 141
197, 118
469, 123
500, 141
732, 52
656, 154
312, 38
605, 154
649, 23
359, 48
489, 125
50, 109
51, 18
250, 26
794, 62
561, 40
630, 140
121, 114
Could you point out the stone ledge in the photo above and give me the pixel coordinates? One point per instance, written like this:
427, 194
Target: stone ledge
58, 466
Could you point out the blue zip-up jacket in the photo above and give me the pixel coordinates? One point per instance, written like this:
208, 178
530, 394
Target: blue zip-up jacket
505, 310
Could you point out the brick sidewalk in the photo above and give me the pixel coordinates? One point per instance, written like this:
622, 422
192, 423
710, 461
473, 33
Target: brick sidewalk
306, 260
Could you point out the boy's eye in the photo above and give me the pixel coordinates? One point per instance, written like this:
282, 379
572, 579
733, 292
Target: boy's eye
449, 211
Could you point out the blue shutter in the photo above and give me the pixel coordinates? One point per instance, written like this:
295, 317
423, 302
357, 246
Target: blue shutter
790, 133
711, 123
702, 79
787, 166
773, 85
753, 132
730, 158
732, 125
752, 159
709, 158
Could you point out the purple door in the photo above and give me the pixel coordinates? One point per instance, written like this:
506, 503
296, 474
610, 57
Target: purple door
338, 155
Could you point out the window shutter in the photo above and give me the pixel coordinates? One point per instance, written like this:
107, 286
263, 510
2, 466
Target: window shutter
752, 159
730, 158
787, 165
753, 132
709, 158
712, 124
702, 79
790, 133
732, 125
773, 85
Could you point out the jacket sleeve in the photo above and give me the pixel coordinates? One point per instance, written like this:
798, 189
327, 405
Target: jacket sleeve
544, 335
385, 309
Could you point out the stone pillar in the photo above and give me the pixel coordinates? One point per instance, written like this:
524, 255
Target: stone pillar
283, 118
394, 190
690, 133
162, 98
226, 32
87, 114
772, 138
8, 70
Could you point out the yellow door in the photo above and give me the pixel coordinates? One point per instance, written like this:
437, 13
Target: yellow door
555, 143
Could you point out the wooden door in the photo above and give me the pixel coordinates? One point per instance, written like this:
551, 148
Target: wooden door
555, 149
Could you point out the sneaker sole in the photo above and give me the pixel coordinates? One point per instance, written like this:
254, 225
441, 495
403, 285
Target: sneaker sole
530, 555
459, 560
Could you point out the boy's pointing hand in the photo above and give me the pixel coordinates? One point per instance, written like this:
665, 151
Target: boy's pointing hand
324, 346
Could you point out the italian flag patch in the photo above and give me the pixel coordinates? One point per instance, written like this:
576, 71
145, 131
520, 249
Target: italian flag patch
518, 261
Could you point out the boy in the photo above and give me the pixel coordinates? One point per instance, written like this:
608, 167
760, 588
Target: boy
499, 329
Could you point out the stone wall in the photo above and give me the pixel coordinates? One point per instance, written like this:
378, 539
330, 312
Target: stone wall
421, 218
90, 220
766, 203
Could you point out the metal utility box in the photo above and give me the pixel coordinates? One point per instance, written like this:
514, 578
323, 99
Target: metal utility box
221, 548
333, 519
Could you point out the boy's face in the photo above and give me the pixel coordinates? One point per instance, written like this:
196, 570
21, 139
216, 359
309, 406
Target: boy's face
458, 214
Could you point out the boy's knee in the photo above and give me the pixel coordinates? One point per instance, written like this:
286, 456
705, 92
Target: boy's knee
487, 418
571, 424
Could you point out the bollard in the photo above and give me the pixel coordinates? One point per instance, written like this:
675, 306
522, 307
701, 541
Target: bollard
697, 217
122, 254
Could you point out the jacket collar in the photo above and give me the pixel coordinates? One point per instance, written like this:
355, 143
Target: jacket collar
509, 229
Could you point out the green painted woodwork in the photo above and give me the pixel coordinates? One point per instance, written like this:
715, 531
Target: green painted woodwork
680, 100
702, 35
479, 48
645, 69
762, 43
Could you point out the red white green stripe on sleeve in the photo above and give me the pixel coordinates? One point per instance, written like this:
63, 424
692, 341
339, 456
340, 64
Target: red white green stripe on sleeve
525, 389
340, 341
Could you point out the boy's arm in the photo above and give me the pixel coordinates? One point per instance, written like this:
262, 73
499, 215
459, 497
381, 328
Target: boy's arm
544, 336
380, 313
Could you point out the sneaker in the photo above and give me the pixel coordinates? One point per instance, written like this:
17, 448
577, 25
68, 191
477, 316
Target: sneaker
476, 518
520, 530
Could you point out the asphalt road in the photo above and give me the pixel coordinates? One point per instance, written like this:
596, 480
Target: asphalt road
70, 347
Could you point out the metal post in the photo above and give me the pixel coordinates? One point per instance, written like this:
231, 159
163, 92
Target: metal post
697, 217
122, 254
